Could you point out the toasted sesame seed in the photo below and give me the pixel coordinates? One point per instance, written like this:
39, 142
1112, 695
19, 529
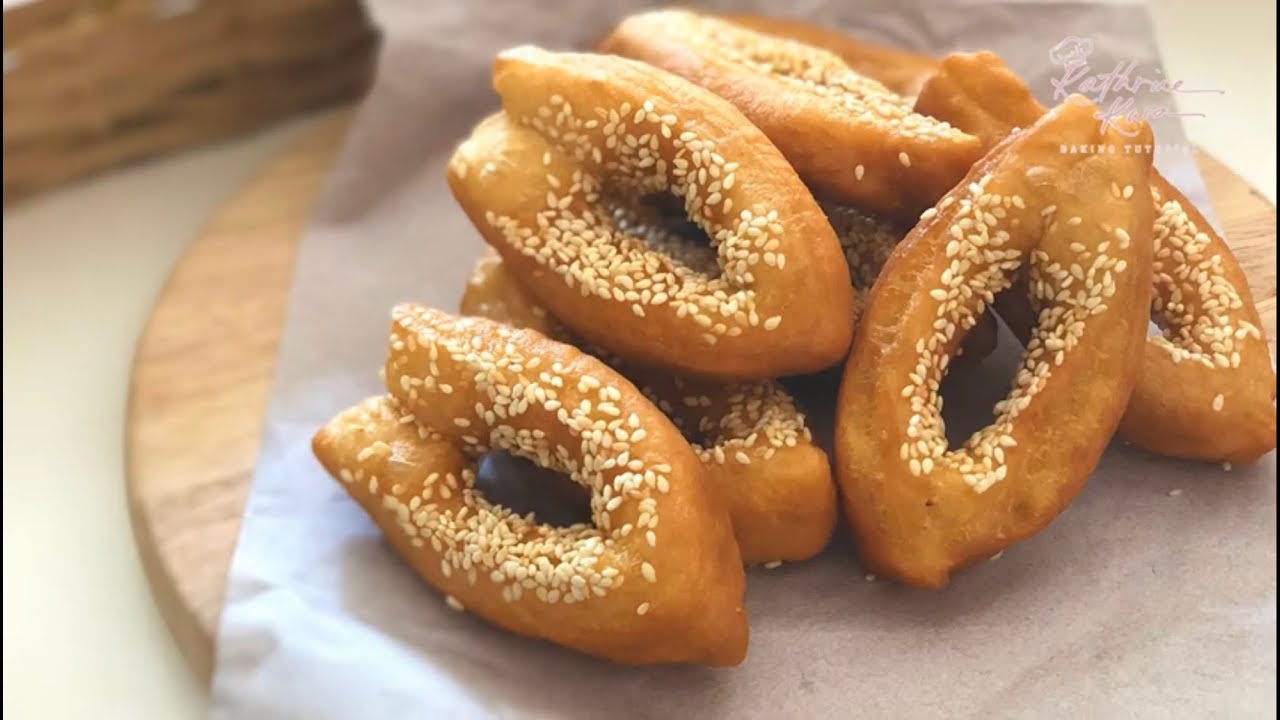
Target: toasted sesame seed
1218, 401
905, 159
1175, 492
773, 565
642, 608
478, 540
802, 68
648, 572
1186, 266
585, 235
454, 603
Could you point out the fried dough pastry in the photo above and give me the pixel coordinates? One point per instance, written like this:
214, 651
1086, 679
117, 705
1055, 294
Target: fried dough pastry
849, 137
750, 436
902, 71
918, 508
583, 139
1207, 390
626, 588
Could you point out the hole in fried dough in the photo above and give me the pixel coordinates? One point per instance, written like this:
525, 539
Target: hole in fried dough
970, 392
522, 486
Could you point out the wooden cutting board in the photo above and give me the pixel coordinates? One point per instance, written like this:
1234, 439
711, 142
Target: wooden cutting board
204, 364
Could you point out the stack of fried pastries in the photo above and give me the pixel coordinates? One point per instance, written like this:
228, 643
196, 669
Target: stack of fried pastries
711, 212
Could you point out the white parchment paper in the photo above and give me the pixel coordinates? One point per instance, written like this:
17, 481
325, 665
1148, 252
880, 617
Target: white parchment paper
1136, 602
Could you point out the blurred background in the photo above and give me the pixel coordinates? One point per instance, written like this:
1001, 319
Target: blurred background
93, 85
126, 124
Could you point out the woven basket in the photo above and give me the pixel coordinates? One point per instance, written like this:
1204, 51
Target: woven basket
91, 85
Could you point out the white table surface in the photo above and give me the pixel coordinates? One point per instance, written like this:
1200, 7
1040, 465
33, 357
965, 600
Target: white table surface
82, 637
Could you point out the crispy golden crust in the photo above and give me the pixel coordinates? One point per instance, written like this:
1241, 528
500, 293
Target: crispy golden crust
919, 509
627, 588
902, 71
850, 138
581, 138
750, 436
1207, 390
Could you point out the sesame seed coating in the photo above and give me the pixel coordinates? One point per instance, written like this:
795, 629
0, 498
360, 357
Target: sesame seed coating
825, 117
900, 70
750, 435
800, 66
867, 243
1194, 300
579, 235
596, 241
497, 393
513, 552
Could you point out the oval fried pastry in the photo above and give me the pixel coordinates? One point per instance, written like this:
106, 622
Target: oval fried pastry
1208, 389
849, 137
750, 436
626, 588
583, 139
919, 508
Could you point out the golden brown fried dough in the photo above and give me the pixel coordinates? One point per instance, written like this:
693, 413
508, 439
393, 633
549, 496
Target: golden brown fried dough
586, 137
849, 137
1207, 390
750, 436
902, 71
627, 588
918, 508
